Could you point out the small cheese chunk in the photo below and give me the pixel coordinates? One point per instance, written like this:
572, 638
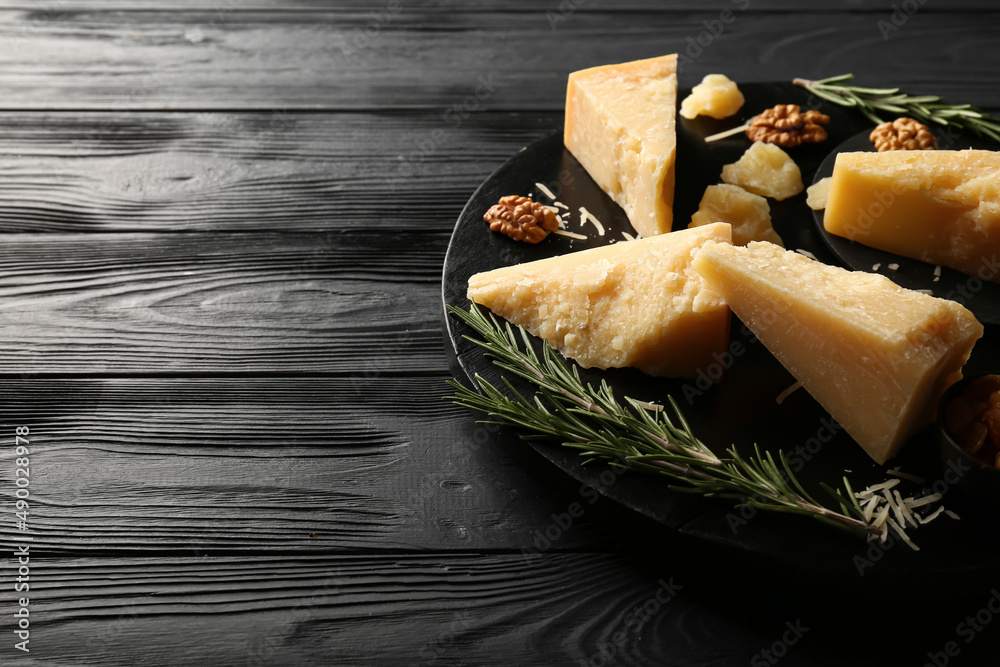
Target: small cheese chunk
765, 170
818, 193
620, 125
938, 206
749, 214
877, 357
715, 96
637, 304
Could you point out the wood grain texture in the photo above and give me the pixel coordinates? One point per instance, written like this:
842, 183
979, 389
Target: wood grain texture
195, 466
129, 61
222, 230
240, 303
265, 171
452, 609
223, 7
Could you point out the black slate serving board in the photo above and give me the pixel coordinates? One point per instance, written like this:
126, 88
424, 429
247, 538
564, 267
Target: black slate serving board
742, 410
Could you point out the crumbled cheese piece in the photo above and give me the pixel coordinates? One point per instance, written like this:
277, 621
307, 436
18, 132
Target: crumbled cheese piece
894, 266
876, 266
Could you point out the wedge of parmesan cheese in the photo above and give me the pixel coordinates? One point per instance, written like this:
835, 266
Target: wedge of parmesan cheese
876, 356
637, 304
938, 206
621, 126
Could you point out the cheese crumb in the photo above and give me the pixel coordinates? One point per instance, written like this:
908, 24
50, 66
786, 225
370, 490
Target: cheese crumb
803, 251
894, 267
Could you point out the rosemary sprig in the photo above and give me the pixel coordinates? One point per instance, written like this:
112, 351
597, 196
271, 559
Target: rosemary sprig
632, 434
873, 102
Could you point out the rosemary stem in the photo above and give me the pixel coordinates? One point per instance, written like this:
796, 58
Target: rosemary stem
685, 471
630, 435
929, 108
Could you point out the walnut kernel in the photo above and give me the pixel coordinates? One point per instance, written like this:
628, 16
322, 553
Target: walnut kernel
521, 219
902, 134
786, 125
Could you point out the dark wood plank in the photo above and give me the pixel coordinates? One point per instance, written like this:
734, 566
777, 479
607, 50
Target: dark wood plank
272, 171
320, 60
452, 609
229, 303
195, 466
222, 8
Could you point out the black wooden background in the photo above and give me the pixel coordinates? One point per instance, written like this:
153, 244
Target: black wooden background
222, 227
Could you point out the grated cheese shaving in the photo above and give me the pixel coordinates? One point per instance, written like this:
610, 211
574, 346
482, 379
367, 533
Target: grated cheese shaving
788, 392
896, 472
571, 235
586, 216
803, 251
926, 500
872, 490
902, 533
883, 507
870, 507
545, 191
628, 237
561, 205
880, 520
935, 514
896, 509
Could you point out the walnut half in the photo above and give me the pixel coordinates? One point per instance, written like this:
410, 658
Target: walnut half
521, 219
902, 134
786, 125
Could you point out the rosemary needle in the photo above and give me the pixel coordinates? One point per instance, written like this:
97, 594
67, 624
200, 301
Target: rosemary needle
631, 434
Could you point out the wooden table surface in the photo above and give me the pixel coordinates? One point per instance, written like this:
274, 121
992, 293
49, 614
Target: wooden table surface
223, 227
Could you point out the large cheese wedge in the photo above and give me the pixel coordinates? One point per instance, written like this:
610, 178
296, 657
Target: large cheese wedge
636, 303
621, 126
876, 356
941, 207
